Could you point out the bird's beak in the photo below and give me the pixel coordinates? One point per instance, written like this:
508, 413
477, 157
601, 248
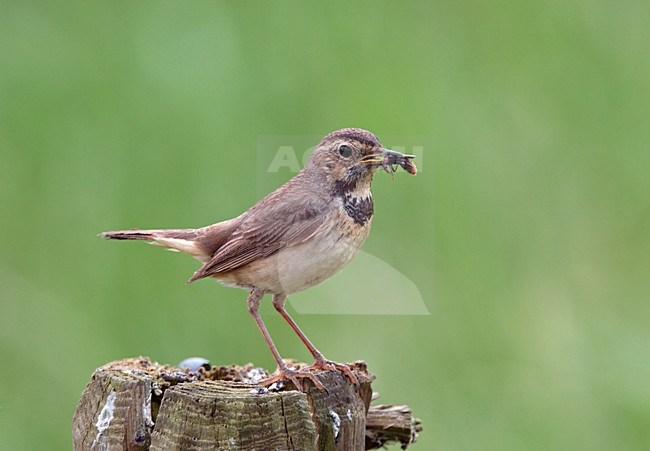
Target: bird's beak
389, 159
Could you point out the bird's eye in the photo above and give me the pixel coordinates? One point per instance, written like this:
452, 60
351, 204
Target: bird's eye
345, 151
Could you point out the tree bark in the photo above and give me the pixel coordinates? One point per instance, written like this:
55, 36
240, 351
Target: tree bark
136, 404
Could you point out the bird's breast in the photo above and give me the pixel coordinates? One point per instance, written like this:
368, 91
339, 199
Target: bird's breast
326, 253
296, 268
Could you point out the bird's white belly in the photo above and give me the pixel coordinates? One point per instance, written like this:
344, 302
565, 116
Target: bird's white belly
306, 265
302, 266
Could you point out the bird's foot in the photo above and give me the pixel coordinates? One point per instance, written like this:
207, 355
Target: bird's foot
329, 365
295, 376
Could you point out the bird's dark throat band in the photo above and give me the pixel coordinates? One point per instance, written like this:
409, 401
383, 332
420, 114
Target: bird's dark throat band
360, 209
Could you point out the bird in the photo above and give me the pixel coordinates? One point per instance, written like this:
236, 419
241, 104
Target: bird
296, 237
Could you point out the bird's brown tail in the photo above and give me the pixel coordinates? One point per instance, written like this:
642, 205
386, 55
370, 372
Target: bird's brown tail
130, 234
182, 240
152, 235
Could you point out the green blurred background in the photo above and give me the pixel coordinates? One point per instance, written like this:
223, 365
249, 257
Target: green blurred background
526, 231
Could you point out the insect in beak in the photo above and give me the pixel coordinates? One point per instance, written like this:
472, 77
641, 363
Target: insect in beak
390, 160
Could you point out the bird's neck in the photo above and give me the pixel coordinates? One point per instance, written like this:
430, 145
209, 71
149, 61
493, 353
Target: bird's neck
359, 209
351, 192
353, 182
356, 200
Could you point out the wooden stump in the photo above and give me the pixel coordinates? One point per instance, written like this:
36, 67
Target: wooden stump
135, 404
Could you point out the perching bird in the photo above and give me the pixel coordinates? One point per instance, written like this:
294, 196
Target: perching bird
294, 238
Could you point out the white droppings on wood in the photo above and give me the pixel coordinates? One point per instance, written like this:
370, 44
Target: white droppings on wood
146, 406
255, 375
259, 391
349, 414
336, 423
104, 420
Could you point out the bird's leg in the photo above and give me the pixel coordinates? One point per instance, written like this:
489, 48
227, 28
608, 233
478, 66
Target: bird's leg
283, 372
321, 362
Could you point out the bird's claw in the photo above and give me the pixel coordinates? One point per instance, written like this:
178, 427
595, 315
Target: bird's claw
329, 365
294, 376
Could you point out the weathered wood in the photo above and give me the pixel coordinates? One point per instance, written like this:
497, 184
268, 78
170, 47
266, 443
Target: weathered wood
209, 415
116, 410
386, 423
135, 404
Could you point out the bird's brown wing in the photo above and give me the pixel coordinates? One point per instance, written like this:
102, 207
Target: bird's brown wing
264, 232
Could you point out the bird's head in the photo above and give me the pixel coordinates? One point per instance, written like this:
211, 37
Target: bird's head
349, 157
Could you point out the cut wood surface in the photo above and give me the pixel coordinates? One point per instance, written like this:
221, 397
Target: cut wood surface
137, 404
